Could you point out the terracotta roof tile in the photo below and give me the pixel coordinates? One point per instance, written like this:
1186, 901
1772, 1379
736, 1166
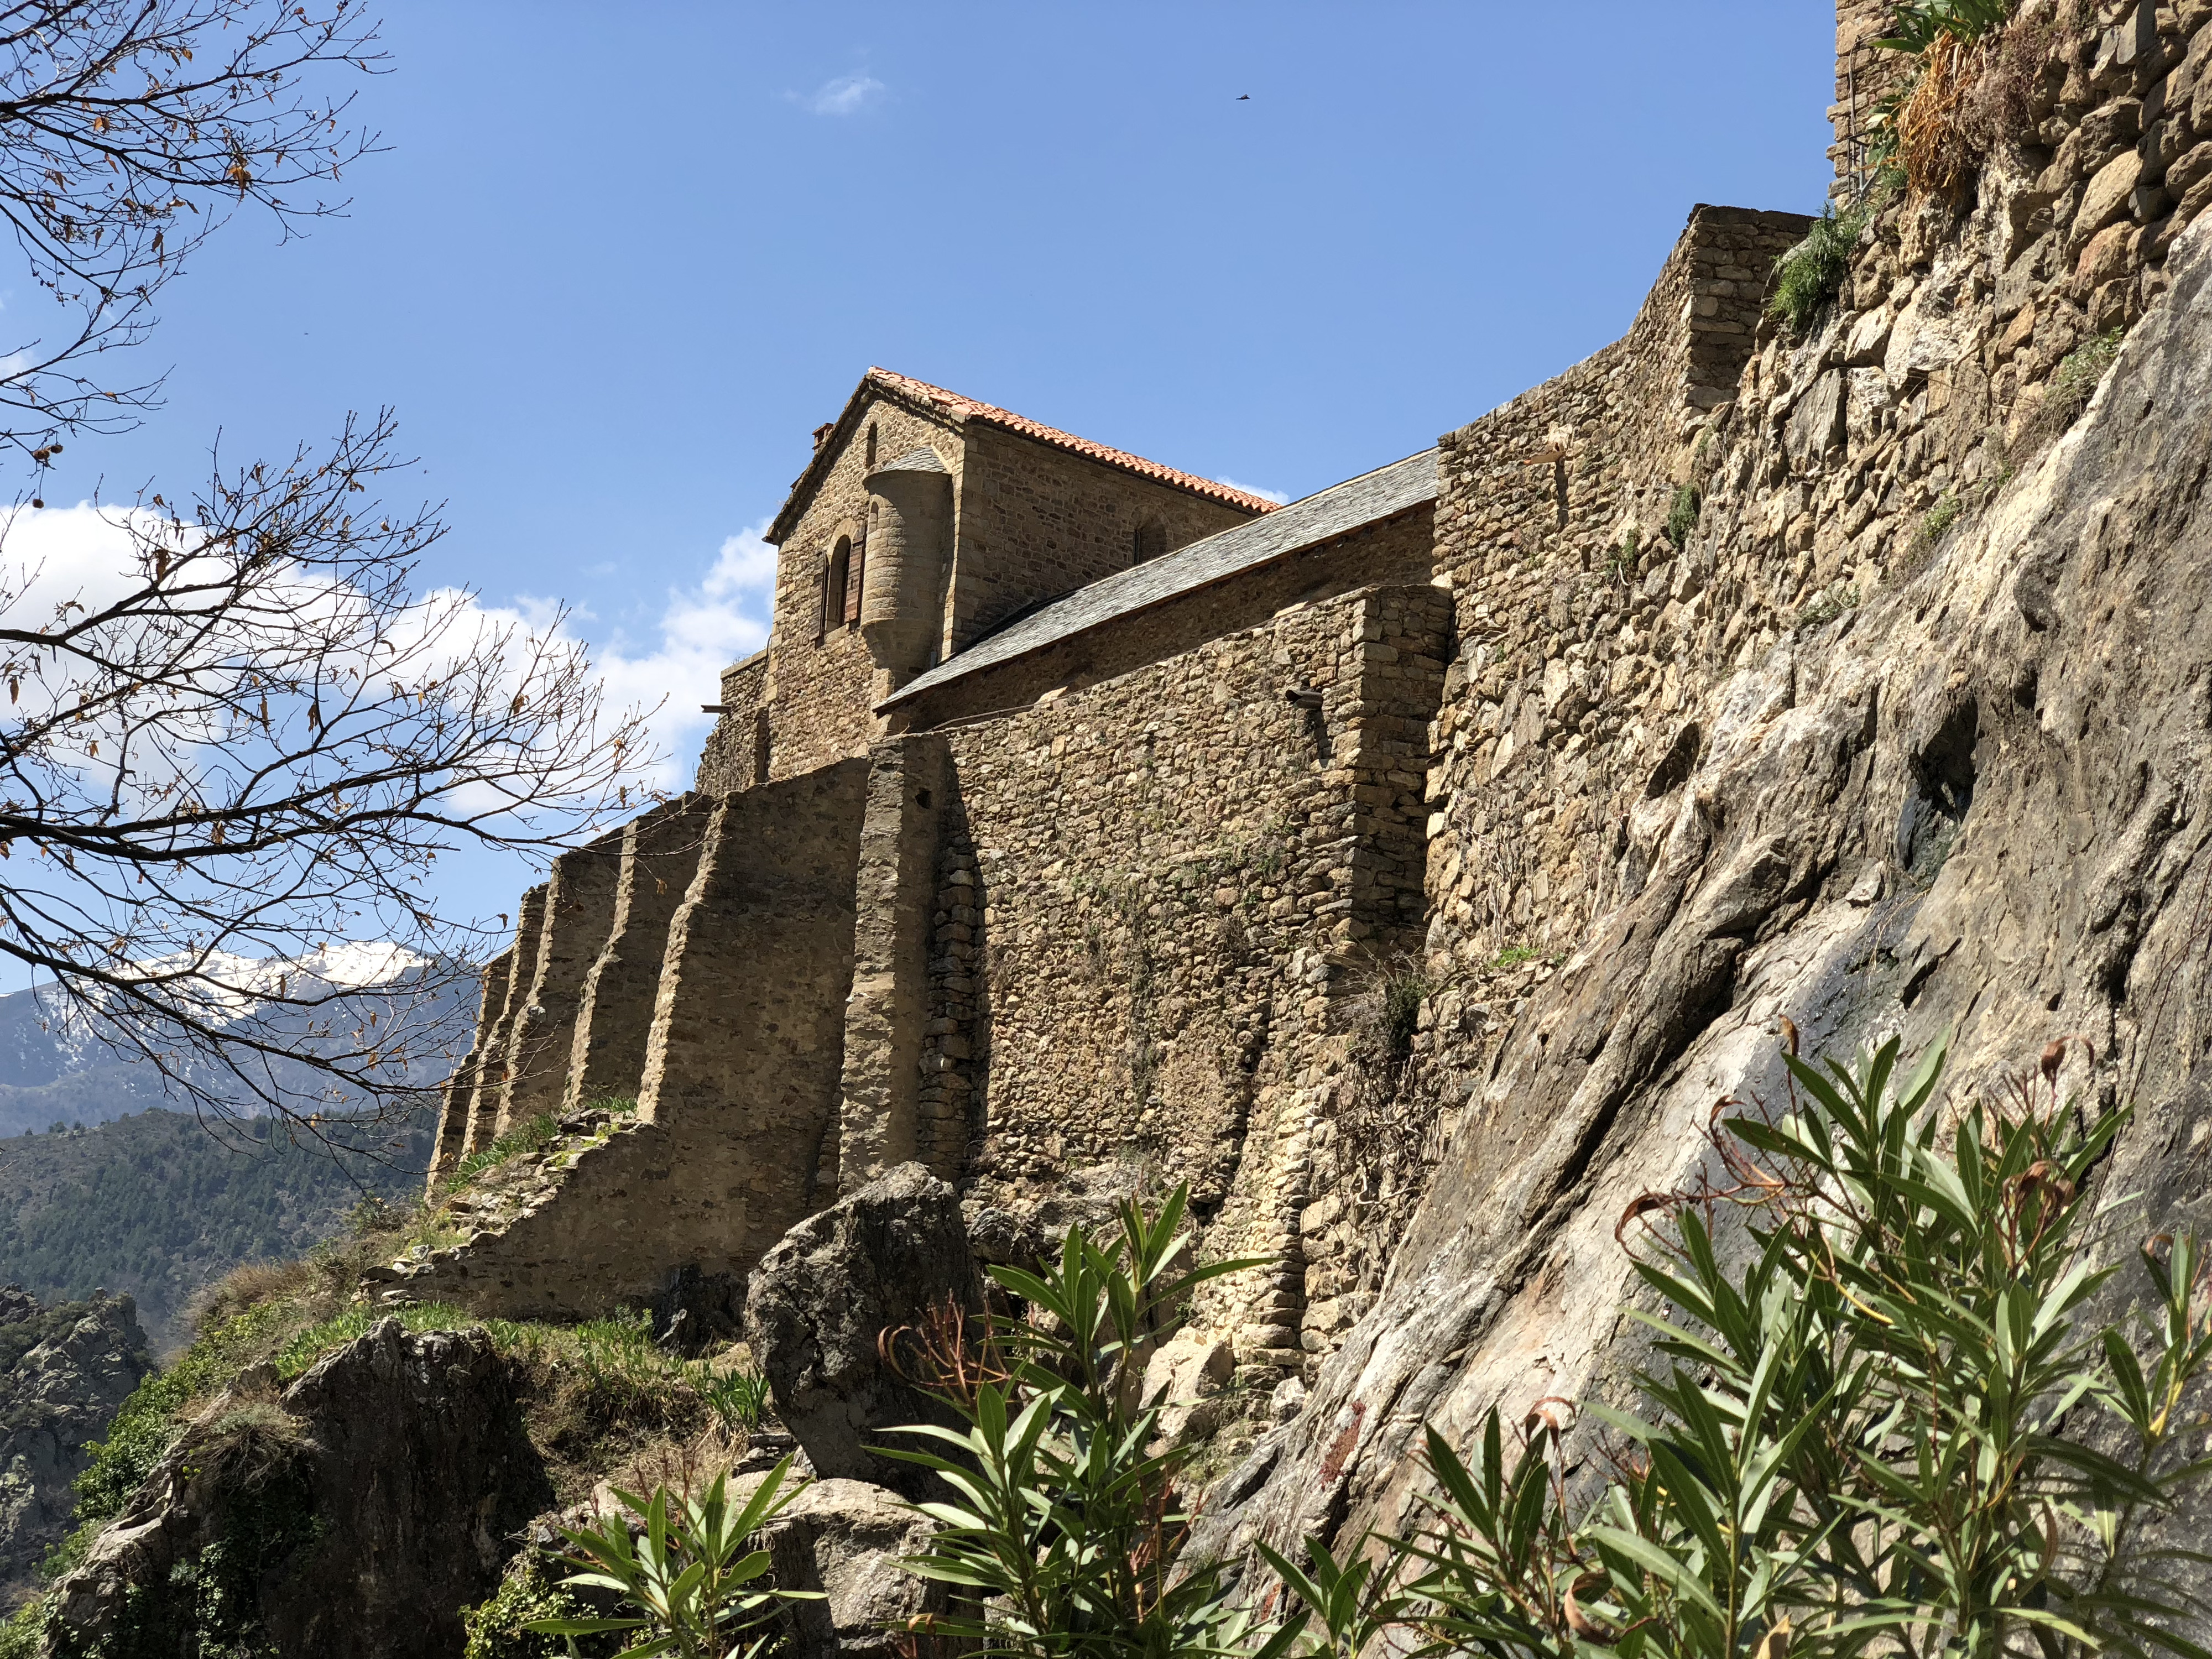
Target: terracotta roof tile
952, 405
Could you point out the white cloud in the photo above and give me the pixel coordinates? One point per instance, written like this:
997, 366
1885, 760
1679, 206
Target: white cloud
1275, 495
702, 630
84, 553
848, 94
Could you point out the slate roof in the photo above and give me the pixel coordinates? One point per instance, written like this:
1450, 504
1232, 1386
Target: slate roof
952, 406
1367, 499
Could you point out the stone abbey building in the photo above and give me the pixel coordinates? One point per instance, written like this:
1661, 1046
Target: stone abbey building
1085, 822
1072, 805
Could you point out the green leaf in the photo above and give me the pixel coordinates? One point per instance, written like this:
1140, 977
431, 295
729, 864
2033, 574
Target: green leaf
1676, 1575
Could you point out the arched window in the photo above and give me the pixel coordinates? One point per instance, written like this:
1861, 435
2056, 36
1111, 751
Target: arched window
871, 444
1151, 541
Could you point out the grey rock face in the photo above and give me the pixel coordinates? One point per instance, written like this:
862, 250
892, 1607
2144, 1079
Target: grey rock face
70, 1368
823, 1296
2026, 725
845, 1538
352, 1517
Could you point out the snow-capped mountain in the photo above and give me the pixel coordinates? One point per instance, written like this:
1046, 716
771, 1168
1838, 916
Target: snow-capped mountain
54, 1067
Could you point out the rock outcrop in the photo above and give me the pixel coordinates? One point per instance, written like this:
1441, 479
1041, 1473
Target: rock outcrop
351, 1516
63, 1371
822, 1297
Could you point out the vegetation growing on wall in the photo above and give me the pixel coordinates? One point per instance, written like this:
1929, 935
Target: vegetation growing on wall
1683, 514
1810, 276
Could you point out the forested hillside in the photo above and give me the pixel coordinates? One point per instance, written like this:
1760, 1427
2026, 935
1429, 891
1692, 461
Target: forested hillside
158, 1206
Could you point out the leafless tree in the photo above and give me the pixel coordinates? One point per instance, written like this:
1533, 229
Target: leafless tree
254, 738
235, 733
129, 130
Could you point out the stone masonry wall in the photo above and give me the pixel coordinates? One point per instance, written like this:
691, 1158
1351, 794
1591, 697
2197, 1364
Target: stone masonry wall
495, 1028
1036, 522
579, 909
1162, 893
817, 685
1395, 550
1599, 663
740, 1084
1679, 793
660, 854
732, 756
1839, 467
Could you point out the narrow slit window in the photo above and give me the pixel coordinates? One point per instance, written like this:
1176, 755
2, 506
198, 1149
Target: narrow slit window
1150, 541
835, 580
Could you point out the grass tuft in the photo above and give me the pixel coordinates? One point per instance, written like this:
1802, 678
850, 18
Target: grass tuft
1808, 277
525, 1137
1682, 515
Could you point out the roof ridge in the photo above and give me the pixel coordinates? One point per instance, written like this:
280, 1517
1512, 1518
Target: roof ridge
960, 406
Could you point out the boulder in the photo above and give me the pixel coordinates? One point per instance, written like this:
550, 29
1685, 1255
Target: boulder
846, 1539
1182, 1378
821, 1298
351, 1517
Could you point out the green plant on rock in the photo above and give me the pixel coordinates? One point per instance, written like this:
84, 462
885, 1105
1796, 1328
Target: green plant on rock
531, 1136
1830, 603
24, 1635
1683, 514
2074, 382
1403, 995
1620, 564
739, 1397
1939, 519
1808, 278
1893, 1425
498, 1626
694, 1581
1919, 24
1064, 1519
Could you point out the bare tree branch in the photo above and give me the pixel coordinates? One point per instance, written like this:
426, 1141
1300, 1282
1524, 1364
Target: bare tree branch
257, 740
129, 130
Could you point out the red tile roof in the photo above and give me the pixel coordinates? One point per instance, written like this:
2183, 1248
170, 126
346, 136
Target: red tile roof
953, 406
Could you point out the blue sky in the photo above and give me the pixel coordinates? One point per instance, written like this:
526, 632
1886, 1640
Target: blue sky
620, 259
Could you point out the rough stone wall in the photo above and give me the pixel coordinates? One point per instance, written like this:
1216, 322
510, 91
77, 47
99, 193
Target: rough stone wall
495, 1028
1561, 575
660, 856
734, 750
579, 910
454, 1099
900, 834
1163, 891
740, 1079
1395, 550
1036, 522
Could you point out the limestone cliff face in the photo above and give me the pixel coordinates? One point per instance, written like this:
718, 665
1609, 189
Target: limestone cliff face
1973, 803
68, 1368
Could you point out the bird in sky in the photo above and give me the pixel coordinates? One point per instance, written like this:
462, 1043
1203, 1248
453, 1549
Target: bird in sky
1243, 97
